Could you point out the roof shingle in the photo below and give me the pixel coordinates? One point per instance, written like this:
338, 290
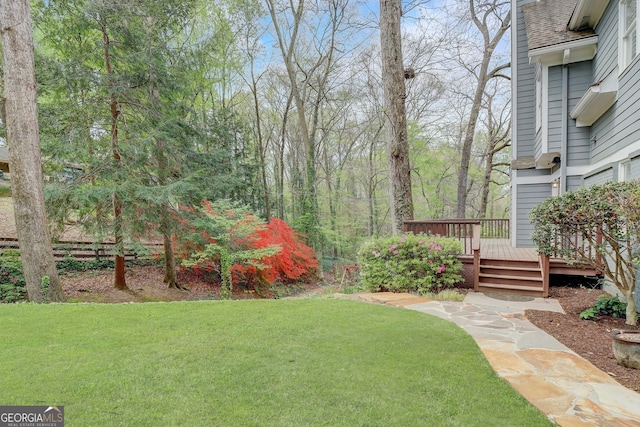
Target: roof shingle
546, 23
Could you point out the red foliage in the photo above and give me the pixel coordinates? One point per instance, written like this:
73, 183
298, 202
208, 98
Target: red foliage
295, 259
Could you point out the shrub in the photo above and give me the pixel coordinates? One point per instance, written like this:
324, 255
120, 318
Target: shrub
244, 250
294, 261
419, 263
598, 226
606, 306
12, 285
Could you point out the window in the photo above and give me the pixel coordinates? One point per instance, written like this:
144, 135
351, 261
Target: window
624, 170
628, 32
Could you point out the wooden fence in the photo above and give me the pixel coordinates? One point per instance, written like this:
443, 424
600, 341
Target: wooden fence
81, 250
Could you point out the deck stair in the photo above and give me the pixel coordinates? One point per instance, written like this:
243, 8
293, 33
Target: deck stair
511, 276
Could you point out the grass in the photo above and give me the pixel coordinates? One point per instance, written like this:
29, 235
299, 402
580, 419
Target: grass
445, 295
313, 362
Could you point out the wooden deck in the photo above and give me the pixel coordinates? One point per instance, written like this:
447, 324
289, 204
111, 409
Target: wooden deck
502, 249
497, 266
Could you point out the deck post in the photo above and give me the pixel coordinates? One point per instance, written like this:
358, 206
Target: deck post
544, 269
475, 243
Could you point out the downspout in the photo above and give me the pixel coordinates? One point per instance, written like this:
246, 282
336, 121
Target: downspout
565, 130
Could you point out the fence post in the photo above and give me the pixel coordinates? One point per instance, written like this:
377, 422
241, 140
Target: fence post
475, 244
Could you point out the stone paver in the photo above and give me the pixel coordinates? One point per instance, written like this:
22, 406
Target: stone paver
563, 385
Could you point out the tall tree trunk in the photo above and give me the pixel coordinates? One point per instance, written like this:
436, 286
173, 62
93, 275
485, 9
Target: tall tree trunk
170, 277
396, 120
488, 169
261, 145
483, 77
280, 159
21, 121
119, 281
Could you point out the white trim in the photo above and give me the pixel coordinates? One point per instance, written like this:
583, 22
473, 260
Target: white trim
514, 121
624, 170
540, 179
514, 83
566, 53
538, 97
544, 141
591, 9
598, 98
513, 219
623, 61
616, 157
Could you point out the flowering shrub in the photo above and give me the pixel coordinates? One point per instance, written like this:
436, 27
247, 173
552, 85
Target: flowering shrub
419, 263
294, 261
12, 285
243, 250
600, 219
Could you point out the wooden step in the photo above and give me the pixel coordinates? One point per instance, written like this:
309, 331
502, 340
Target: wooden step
504, 271
511, 276
533, 291
510, 279
509, 263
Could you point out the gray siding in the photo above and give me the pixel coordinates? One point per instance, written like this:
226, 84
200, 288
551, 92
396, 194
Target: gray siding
574, 183
537, 152
529, 196
607, 57
579, 144
618, 127
554, 111
600, 177
526, 87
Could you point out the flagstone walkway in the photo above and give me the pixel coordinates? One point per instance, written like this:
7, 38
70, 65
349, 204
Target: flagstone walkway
564, 386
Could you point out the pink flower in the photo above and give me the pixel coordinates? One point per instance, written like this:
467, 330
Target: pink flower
441, 269
396, 252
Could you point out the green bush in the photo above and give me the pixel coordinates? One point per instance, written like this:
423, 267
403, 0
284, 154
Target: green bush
12, 285
410, 263
606, 306
596, 226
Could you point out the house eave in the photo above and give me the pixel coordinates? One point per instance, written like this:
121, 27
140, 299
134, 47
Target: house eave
598, 98
565, 53
587, 14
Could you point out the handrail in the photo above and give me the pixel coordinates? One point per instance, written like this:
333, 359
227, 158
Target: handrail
461, 229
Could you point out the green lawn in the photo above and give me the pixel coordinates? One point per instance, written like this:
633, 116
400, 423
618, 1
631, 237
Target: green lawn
315, 362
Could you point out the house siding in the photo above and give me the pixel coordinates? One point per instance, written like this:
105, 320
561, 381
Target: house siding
554, 116
525, 83
574, 182
578, 138
529, 196
607, 57
619, 127
600, 177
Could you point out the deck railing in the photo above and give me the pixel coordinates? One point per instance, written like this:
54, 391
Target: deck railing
495, 228
465, 230
461, 229
565, 242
